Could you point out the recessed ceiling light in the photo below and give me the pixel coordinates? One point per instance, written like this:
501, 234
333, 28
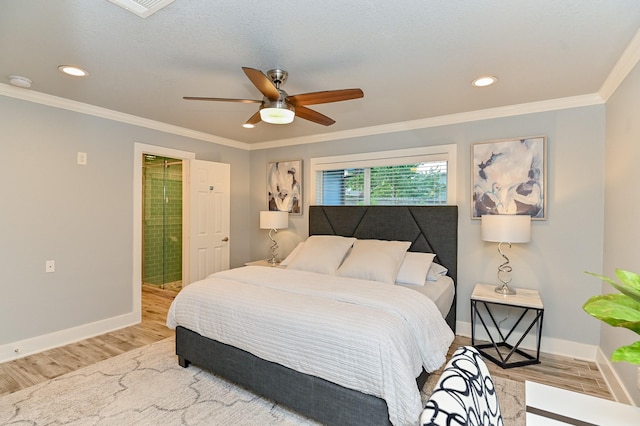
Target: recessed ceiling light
248, 126
484, 81
73, 70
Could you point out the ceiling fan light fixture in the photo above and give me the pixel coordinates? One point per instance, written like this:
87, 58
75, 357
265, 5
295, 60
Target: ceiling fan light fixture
278, 113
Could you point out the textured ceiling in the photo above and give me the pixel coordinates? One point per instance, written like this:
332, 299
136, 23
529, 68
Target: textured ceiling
413, 59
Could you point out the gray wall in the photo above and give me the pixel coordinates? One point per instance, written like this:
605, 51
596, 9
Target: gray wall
622, 209
565, 245
80, 216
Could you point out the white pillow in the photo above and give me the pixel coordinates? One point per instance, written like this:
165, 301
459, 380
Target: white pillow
322, 254
374, 260
436, 271
291, 255
414, 268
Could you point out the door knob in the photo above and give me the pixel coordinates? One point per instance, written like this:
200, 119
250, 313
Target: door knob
225, 239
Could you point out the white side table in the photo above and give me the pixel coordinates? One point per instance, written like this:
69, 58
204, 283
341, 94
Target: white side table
482, 300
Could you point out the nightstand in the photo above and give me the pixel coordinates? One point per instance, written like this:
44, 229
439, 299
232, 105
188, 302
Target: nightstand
483, 299
262, 262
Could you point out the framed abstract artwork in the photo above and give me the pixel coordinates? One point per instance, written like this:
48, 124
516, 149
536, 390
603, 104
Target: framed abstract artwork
284, 186
509, 177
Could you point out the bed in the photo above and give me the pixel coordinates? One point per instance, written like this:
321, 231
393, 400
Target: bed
429, 229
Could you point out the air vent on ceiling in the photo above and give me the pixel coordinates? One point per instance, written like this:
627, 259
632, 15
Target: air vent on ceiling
142, 8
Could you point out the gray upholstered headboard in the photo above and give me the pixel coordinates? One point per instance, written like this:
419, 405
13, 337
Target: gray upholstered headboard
431, 229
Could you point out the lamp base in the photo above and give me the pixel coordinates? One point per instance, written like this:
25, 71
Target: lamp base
273, 260
505, 290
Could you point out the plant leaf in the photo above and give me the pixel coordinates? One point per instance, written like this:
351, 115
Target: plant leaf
617, 310
630, 283
630, 353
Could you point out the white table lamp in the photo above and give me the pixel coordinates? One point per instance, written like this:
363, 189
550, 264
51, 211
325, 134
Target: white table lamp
506, 229
274, 220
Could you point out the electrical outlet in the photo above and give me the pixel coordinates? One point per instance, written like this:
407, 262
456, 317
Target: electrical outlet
50, 266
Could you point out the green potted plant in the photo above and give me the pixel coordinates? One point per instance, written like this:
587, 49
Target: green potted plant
619, 310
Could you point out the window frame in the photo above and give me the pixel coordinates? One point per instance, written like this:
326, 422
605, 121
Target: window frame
388, 158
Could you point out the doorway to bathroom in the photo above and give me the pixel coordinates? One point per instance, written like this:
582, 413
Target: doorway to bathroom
205, 220
162, 213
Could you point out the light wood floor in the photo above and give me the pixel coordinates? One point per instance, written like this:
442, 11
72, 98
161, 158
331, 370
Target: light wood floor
562, 372
576, 375
30, 370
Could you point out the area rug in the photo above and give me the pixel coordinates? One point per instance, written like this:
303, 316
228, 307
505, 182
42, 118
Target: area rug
146, 386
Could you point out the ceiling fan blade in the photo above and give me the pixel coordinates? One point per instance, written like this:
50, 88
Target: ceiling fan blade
315, 116
326, 96
262, 82
246, 101
254, 119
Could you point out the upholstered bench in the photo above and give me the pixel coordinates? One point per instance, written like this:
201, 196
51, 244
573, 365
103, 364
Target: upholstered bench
464, 394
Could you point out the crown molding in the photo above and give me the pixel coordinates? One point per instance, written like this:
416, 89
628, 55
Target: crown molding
444, 120
629, 59
57, 102
465, 117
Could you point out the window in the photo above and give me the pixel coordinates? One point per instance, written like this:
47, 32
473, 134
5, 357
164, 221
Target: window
422, 176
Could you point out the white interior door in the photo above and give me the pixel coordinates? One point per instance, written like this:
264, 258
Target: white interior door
209, 218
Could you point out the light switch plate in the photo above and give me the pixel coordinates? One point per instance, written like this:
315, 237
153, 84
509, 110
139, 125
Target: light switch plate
82, 158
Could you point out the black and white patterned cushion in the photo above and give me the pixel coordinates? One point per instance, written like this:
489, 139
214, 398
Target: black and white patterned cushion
464, 394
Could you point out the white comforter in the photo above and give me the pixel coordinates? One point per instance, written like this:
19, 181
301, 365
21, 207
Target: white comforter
363, 335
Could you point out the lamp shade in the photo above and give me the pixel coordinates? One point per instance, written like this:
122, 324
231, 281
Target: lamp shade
274, 220
504, 228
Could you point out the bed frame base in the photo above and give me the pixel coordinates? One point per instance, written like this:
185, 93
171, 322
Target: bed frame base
310, 396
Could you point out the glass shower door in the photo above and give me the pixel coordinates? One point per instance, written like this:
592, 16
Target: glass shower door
162, 227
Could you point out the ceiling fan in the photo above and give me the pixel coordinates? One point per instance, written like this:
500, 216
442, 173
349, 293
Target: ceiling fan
277, 107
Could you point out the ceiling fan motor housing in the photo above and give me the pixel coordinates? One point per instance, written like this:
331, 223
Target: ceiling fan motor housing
281, 102
277, 111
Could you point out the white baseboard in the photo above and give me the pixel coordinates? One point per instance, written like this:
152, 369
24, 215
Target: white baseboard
37, 344
617, 388
568, 349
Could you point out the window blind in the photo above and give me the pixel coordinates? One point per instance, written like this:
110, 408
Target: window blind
421, 183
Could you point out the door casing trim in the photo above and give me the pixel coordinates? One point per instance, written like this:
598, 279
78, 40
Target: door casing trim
138, 150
